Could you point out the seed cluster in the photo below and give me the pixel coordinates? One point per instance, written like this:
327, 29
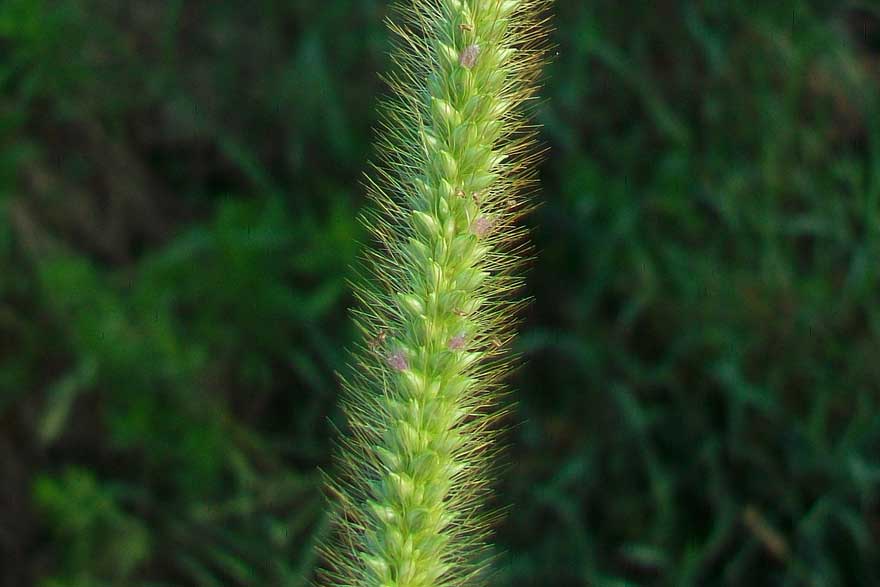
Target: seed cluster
436, 307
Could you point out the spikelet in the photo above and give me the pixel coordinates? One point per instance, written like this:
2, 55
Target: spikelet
456, 164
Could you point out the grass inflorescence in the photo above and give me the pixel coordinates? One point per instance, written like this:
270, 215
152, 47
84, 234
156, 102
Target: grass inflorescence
456, 163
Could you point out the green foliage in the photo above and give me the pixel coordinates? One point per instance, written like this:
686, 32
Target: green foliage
158, 345
105, 543
715, 328
178, 194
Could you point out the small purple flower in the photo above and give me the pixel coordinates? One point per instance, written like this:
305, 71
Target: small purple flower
456, 343
397, 360
482, 226
468, 57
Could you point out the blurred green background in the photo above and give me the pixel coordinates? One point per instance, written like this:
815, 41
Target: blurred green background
179, 185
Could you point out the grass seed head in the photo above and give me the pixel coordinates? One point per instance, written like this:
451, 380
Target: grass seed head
413, 475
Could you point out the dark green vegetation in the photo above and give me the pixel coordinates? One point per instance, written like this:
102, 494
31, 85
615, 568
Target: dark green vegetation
178, 192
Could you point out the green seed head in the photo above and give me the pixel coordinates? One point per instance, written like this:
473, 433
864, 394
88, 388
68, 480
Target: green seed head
454, 154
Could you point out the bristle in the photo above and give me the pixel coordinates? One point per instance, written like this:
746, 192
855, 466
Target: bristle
437, 302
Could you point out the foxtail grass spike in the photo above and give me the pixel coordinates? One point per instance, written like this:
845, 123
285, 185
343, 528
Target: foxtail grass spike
437, 303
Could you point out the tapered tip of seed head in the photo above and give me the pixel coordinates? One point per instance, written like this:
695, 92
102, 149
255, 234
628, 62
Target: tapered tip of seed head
468, 57
456, 343
482, 226
397, 360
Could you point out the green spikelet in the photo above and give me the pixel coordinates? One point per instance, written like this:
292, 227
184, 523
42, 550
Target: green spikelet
456, 160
